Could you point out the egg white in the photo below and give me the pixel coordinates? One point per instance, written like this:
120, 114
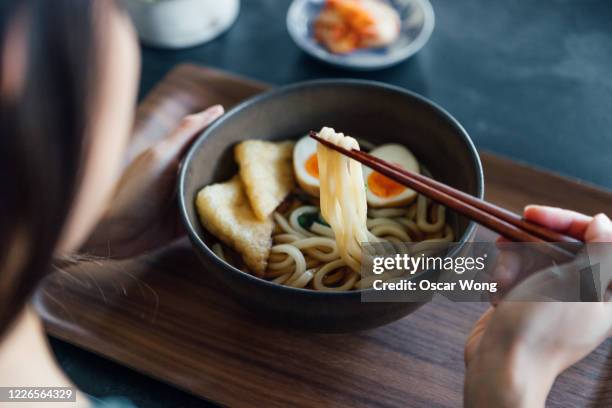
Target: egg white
402, 157
304, 148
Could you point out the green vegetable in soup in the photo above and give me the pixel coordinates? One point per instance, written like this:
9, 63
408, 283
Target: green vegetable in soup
307, 219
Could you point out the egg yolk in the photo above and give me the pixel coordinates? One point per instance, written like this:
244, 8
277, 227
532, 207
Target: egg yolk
312, 166
383, 186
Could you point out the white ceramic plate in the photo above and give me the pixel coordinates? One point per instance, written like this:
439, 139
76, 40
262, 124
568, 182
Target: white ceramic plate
417, 19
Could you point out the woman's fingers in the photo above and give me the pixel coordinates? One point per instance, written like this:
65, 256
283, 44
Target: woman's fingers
584, 227
566, 221
175, 144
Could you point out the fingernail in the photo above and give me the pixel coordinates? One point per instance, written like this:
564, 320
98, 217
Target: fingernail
208, 113
215, 110
599, 230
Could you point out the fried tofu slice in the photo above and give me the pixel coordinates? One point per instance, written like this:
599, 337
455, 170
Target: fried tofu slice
225, 211
266, 172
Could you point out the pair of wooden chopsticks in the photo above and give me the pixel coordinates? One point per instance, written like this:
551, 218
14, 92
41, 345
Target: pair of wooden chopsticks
508, 224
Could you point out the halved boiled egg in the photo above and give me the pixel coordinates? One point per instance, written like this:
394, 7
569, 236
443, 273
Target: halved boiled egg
306, 165
381, 190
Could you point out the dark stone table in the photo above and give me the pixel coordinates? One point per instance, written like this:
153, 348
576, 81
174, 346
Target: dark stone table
531, 80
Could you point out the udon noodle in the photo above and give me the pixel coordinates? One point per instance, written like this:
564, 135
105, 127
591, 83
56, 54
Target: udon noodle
325, 254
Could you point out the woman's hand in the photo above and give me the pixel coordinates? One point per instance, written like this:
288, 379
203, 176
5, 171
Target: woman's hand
516, 350
142, 215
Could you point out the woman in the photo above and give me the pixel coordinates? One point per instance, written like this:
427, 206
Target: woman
68, 78
68, 81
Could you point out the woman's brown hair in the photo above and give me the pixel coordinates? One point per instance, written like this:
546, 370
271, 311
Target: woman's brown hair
42, 134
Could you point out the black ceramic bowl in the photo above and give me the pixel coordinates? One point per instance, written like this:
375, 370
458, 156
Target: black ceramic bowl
373, 111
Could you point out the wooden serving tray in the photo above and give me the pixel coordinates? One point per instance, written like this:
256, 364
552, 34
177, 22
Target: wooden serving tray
162, 314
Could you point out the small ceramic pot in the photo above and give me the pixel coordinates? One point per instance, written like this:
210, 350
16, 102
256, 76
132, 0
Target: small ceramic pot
181, 23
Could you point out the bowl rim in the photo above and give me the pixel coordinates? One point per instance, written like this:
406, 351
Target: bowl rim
276, 92
319, 52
